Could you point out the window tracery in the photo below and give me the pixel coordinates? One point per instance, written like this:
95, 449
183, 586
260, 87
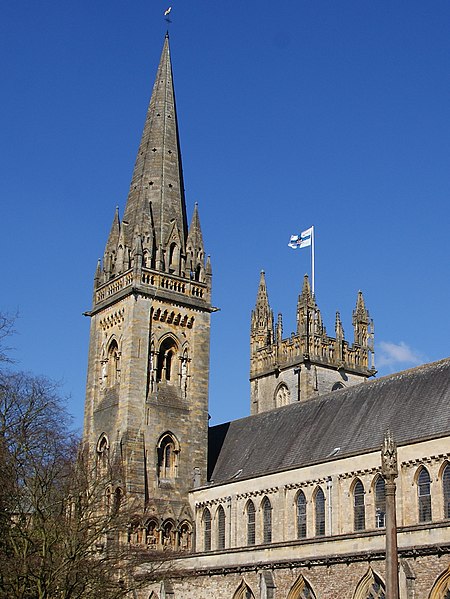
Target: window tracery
282, 396
166, 363
167, 452
113, 364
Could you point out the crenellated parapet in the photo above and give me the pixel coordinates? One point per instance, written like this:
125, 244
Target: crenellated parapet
309, 362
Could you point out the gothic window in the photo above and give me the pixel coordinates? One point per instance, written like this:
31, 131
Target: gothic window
446, 490
301, 590
267, 520
424, 495
301, 515
113, 369
220, 528
251, 523
167, 451
166, 363
370, 587
206, 529
282, 396
380, 503
102, 454
319, 505
359, 510
151, 533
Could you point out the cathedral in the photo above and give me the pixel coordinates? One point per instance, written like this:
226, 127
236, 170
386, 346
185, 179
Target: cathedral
289, 502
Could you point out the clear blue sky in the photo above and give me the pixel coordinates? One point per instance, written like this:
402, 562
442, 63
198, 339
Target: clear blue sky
327, 112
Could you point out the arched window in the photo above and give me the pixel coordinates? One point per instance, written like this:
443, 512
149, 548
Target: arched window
220, 528
206, 529
167, 457
251, 523
301, 515
319, 505
370, 587
446, 490
301, 590
165, 365
102, 454
113, 369
267, 520
282, 396
380, 503
424, 495
359, 510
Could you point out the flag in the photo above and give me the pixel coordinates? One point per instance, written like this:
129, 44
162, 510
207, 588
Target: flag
167, 11
301, 241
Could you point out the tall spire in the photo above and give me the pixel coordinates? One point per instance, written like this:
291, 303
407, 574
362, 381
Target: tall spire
156, 197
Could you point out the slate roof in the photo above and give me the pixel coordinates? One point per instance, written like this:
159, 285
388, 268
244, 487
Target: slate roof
413, 404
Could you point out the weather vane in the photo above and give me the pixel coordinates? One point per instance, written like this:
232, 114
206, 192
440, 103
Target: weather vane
167, 13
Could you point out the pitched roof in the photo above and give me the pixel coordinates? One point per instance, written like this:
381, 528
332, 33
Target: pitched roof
413, 404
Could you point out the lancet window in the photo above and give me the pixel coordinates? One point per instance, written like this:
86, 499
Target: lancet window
380, 503
319, 505
446, 490
267, 520
424, 495
167, 451
301, 515
251, 523
113, 366
206, 529
166, 360
359, 510
220, 528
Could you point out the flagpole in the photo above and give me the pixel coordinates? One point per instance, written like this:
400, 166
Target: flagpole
312, 257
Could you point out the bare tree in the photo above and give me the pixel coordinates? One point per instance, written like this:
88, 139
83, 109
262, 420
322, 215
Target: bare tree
61, 534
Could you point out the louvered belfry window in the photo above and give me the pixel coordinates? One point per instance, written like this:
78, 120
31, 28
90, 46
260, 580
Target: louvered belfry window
207, 529
446, 490
267, 520
380, 503
359, 509
251, 523
220, 528
424, 491
301, 515
320, 513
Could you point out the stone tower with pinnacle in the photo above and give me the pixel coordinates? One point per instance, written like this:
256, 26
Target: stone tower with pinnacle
309, 362
147, 389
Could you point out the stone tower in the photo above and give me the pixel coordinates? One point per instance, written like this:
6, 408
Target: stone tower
147, 388
309, 362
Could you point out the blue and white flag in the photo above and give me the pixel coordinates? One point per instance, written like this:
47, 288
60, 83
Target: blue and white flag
301, 241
